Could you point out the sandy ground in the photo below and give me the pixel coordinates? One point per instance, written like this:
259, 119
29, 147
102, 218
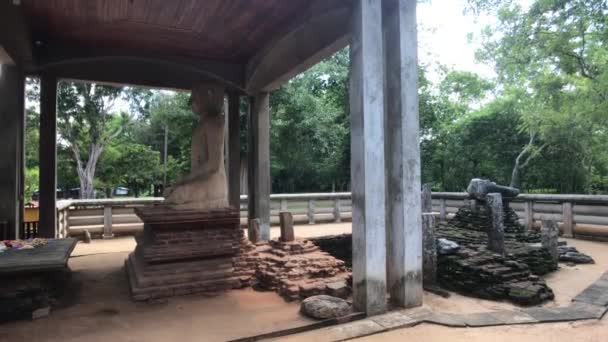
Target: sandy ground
105, 312
566, 283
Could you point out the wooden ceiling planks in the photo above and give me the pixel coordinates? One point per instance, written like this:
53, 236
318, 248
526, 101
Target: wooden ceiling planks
230, 30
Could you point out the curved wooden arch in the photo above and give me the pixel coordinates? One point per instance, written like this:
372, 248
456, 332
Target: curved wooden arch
322, 33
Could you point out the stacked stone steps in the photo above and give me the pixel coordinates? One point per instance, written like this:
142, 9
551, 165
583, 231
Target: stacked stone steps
298, 269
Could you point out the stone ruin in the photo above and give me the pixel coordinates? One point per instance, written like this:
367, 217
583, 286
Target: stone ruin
469, 261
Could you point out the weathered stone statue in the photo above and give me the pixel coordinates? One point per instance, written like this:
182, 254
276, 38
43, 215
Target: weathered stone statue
479, 188
205, 186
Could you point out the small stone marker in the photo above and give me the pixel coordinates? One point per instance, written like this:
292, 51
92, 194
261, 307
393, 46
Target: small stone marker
549, 235
253, 230
287, 233
427, 201
496, 234
429, 262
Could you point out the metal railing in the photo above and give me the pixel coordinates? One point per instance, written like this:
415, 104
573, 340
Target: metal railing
581, 216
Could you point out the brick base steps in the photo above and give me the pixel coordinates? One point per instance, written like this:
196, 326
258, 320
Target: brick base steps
184, 278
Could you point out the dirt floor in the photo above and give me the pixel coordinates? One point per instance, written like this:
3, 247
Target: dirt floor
566, 283
104, 311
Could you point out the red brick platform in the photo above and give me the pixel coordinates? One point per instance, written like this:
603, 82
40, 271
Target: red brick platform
184, 251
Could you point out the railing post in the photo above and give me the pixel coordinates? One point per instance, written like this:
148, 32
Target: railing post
443, 215
107, 221
311, 211
568, 219
337, 214
529, 214
283, 204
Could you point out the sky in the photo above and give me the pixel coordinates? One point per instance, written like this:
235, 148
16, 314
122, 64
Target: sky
442, 36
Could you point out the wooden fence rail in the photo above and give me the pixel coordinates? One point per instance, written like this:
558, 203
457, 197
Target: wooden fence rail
581, 216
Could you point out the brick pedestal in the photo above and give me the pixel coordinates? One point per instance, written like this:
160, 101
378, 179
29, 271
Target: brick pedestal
183, 251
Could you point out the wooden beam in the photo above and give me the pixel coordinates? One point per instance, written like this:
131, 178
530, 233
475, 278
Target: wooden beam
11, 147
320, 32
48, 156
15, 37
128, 67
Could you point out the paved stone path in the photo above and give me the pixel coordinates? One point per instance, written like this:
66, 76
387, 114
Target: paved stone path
592, 303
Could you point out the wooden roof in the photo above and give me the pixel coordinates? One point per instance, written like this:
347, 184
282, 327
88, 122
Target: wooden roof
227, 30
250, 45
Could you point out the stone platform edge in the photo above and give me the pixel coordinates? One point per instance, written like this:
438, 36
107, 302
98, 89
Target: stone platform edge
591, 303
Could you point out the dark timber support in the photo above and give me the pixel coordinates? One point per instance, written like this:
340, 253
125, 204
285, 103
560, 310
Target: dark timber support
258, 166
234, 150
48, 156
367, 158
404, 212
11, 149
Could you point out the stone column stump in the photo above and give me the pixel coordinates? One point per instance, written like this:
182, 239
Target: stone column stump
496, 238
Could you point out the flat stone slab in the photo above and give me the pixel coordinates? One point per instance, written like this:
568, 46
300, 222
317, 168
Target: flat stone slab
596, 293
561, 314
354, 329
393, 320
482, 319
50, 257
447, 319
514, 317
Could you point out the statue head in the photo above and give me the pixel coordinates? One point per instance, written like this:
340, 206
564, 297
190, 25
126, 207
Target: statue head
207, 100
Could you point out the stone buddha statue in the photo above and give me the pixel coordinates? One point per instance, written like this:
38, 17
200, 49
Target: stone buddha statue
205, 186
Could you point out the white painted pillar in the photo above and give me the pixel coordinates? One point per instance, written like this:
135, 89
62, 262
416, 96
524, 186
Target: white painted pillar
367, 158
404, 213
258, 165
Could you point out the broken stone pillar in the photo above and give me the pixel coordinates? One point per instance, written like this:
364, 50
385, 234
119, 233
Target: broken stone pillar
549, 235
427, 200
429, 262
287, 233
496, 238
253, 230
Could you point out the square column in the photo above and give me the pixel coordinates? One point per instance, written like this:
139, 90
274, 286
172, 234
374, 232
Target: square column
404, 213
367, 158
258, 163
11, 149
234, 150
48, 156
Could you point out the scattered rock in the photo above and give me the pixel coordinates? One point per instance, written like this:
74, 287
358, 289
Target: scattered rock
41, 313
323, 307
338, 289
479, 188
576, 257
446, 247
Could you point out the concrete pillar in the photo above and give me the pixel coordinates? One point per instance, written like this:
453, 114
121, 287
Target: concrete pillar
367, 158
529, 214
234, 150
286, 220
443, 211
549, 235
48, 156
258, 166
404, 214
430, 250
253, 230
427, 199
568, 219
11, 148
496, 238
